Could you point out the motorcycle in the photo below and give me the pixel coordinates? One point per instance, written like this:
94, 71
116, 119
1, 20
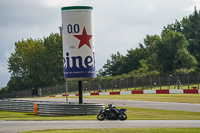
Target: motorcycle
112, 113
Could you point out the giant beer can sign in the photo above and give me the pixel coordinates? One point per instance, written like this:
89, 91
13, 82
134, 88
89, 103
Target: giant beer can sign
78, 43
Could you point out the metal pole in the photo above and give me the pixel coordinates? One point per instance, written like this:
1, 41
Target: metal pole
198, 82
105, 85
142, 84
80, 92
151, 82
127, 83
134, 84
188, 82
160, 83
169, 81
112, 86
120, 84
66, 92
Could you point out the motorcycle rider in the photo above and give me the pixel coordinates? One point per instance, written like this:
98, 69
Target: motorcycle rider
112, 107
112, 113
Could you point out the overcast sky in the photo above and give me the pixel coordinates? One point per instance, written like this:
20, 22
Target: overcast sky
119, 25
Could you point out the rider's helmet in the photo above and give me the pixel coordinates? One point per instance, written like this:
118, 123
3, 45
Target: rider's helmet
110, 105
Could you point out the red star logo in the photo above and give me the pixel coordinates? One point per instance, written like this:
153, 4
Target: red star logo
84, 39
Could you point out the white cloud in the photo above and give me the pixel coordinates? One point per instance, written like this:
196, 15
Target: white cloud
55, 3
150, 7
191, 5
119, 24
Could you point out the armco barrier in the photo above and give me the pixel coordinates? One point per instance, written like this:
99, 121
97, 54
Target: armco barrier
69, 109
16, 105
50, 108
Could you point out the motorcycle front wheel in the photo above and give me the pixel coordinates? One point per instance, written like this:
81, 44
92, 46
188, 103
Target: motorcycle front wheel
122, 116
100, 117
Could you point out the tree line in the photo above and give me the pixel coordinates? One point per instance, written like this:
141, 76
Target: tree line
175, 52
38, 63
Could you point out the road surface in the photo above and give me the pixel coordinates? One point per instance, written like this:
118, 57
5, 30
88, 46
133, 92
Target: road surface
18, 126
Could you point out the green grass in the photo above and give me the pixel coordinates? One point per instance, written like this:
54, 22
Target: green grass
133, 114
181, 98
21, 116
121, 130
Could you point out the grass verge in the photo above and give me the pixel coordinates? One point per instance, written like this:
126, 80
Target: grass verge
122, 130
133, 114
181, 98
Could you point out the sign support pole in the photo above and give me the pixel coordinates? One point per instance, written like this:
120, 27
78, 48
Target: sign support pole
80, 92
66, 92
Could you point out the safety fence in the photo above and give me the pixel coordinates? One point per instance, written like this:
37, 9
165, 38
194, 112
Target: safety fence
169, 91
126, 84
50, 108
120, 84
17, 94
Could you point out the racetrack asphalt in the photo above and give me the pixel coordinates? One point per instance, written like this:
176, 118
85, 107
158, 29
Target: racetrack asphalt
18, 126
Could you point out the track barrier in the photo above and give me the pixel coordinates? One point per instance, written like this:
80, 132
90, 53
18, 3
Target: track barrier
169, 91
50, 108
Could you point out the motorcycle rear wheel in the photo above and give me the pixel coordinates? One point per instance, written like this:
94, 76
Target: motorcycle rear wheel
100, 117
122, 116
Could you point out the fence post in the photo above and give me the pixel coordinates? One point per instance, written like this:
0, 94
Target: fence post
178, 82
151, 82
188, 78
160, 83
134, 84
120, 84
112, 86
142, 84
198, 81
127, 83
169, 82
105, 85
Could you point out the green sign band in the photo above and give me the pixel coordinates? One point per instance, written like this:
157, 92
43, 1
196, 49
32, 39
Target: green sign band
76, 7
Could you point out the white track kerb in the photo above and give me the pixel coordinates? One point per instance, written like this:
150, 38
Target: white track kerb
170, 91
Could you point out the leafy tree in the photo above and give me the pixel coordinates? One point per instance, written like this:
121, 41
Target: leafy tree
52, 66
113, 66
185, 71
144, 71
3, 89
151, 42
166, 54
132, 58
123, 64
36, 63
190, 27
24, 64
176, 51
173, 53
